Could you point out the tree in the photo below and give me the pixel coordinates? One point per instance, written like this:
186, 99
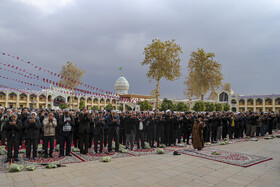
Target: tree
210, 107
128, 108
167, 104
145, 105
71, 76
95, 107
153, 94
227, 87
199, 106
226, 107
182, 107
204, 73
219, 107
164, 62
82, 104
109, 106
63, 106
120, 108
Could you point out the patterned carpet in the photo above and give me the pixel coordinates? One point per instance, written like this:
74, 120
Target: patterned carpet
233, 158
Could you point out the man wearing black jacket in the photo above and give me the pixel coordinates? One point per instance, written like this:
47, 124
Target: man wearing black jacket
32, 127
98, 132
113, 130
84, 130
13, 131
130, 130
66, 125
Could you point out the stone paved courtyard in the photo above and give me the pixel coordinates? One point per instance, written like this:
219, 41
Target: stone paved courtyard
161, 170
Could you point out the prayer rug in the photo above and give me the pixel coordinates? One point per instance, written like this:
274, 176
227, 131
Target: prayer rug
233, 158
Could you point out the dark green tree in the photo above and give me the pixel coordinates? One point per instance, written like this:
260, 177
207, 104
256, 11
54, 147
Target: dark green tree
145, 105
199, 106
182, 107
210, 107
226, 107
81, 105
120, 108
95, 107
167, 104
109, 106
63, 106
219, 107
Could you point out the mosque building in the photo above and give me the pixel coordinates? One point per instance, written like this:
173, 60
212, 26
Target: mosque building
54, 96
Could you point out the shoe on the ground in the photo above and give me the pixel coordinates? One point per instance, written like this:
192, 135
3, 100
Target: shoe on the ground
16, 159
26, 159
35, 158
50, 156
60, 155
69, 155
46, 156
8, 160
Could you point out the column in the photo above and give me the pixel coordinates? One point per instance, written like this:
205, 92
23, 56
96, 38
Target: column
263, 104
27, 105
78, 103
85, 102
7, 97
37, 101
123, 107
17, 104
92, 101
254, 104
99, 103
245, 105
273, 104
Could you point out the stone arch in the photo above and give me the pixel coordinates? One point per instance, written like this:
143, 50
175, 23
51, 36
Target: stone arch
268, 101
259, 102
2, 96
277, 101
241, 102
89, 99
102, 101
233, 109
223, 97
59, 100
233, 101
95, 101
12, 96
23, 97
250, 102
108, 101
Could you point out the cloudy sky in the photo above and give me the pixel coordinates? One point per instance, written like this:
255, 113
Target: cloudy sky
101, 36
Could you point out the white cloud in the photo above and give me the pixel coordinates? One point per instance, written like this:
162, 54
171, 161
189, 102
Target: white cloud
47, 6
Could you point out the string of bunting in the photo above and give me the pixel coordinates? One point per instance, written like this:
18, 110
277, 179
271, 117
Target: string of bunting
43, 87
57, 74
54, 82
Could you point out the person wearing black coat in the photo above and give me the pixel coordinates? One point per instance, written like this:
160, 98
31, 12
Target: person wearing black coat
76, 131
140, 131
213, 127
122, 133
187, 127
160, 129
130, 129
151, 123
23, 117
167, 129
58, 129
13, 131
113, 131
84, 130
91, 124
65, 126
98, 132
32, 127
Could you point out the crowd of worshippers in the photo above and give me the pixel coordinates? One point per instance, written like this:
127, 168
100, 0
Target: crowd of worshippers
85, 128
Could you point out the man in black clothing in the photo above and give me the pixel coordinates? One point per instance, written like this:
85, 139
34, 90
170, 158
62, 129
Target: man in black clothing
84, 130
122, 133
113, 130
66, 125
13, 130
98, 132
